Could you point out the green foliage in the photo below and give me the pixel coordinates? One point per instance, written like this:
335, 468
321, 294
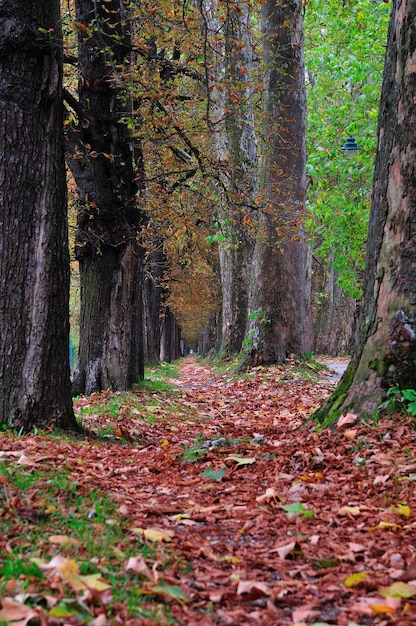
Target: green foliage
195, 452
344, 50
403, 400
297, 508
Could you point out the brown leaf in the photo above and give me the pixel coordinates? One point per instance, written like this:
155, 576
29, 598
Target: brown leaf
138, 565
253, 588
16, 613
285, 550
346, 419
269, 495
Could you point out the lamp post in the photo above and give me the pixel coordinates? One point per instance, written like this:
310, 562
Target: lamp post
350, 147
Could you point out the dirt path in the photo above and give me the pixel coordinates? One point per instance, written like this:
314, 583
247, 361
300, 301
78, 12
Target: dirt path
267, 522
254, 519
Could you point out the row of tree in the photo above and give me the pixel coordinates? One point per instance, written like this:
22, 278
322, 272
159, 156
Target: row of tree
172, 106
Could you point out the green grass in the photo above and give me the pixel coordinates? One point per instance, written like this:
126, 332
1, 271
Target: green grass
40, 505
163, 371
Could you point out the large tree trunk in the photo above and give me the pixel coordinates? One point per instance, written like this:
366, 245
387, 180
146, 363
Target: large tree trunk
230, 85
279, 320
34, 262
101, 159
385, 351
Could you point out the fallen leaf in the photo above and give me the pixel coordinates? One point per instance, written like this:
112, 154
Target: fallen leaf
253, 587
356, 547
138, 565
349, 510
401, 509
304, 614
381, 479
346, 419
269, 495
217, 475
153, 534
61, 611
381, 609
173, 591
355, 579
285, 550
67, 570
61, 540
398, 590
241, 460
350, 433
93, 581
383, 525
16, 613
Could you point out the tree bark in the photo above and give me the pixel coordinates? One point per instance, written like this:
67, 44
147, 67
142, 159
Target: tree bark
230, 85
170, 336
152, 297
101, 159
333, 312
34, 261
385, 349
279, 320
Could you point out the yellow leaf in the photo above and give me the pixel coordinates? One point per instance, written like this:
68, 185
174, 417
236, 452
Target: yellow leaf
351, 510
241, 460
398, 590
381, 608
92, 581
401, 509
68, 570
164, 443
355, 579
152, 534
51, 508
228, 558
117, 552
383, 525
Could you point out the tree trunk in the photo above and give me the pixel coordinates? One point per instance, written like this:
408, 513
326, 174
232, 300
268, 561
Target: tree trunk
385, 350
210, 341
333, 312
152, 295
110, 352
34, 262
279, 320
165, 337
230, 62
101, 159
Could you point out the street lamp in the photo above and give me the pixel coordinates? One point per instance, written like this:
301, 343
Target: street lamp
350, 147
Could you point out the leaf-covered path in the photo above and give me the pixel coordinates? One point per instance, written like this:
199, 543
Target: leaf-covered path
248, 517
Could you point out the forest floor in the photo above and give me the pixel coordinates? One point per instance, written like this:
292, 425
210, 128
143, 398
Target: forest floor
210, 500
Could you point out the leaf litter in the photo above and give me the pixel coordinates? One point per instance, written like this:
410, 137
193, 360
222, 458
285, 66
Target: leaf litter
230, 510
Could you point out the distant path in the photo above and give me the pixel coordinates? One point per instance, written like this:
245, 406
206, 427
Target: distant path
336, 365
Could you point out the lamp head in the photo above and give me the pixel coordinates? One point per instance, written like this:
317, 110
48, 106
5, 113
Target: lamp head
350, 147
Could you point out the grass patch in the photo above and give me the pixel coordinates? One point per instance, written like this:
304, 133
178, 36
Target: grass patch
45, 514
163, 371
